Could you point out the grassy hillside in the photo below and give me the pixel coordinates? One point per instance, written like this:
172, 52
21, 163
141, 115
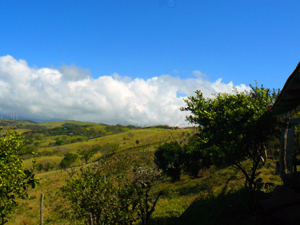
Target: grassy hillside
215, 197
20, 125
148, 139
60, 123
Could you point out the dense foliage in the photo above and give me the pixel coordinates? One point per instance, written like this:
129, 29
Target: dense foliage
14, 177
234, 127
193, 157
169, 158
68, 160
102, 199
74, 129
86, 154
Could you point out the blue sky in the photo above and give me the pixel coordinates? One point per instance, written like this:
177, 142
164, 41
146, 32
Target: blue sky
138, 40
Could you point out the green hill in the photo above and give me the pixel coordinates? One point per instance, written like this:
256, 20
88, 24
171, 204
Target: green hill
215, 197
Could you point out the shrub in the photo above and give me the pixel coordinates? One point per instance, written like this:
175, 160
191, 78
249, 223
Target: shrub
40, 167
49, 166
109, 149
169, 158
14, 177
194, 159
59, 142
103, 200
68, 160
86, 154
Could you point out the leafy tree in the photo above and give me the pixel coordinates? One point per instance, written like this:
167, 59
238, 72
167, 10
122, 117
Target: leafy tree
142, 184
96, 198
235, 127
59, 142
49, 166
168, 157
68, 160
100, 199
109, 148
14, 177
86, 154
193, 156
39, 166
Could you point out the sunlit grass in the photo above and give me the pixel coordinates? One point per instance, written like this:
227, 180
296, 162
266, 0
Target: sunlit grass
148, 140
203, 200
188, 201
60, 123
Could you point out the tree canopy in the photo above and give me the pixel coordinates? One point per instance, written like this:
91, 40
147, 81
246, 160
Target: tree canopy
68, 160
86, 154
234, 127
169, 158
104, 199
14, 177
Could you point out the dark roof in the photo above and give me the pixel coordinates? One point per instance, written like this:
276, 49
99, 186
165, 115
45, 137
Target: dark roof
289, 97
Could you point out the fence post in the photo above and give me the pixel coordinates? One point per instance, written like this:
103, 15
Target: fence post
41, 213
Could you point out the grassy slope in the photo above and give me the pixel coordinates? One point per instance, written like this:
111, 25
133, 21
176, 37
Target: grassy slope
214, 198
218, 197
60, 123
56, 209
13, 123
148, 140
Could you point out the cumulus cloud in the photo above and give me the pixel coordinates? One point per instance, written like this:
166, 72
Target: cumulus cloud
70, 92
73, 72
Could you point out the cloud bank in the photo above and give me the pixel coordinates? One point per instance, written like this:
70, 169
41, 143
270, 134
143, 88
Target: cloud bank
70, 92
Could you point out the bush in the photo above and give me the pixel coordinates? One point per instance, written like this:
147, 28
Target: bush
109, 149
194, 159
103, 200
49, 166
39, 167
169, 158
14, 177
68, 160
86, 154
59, 142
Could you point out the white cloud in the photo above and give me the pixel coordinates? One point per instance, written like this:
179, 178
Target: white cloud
69, 92
73, 72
